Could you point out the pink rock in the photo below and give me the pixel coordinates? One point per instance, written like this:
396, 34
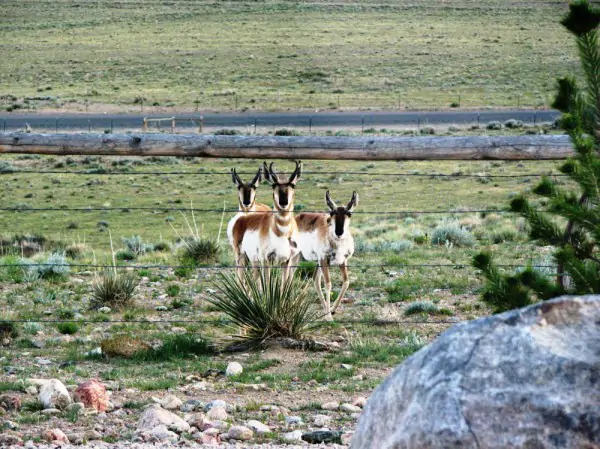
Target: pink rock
93, 394
208, 439
55, 436
10, 402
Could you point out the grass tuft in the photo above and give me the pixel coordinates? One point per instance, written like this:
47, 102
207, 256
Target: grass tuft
114, 290
280, 309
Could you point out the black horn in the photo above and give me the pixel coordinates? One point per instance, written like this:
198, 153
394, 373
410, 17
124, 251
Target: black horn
256, 179
330, 203
296, 175
236, 179
353, 202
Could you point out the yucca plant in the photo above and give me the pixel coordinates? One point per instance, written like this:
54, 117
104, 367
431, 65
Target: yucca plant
266, 307
198, 251
114, 290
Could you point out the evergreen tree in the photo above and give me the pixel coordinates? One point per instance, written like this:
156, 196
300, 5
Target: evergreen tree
575, 237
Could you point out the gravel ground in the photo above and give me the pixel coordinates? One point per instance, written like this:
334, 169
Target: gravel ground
187, 444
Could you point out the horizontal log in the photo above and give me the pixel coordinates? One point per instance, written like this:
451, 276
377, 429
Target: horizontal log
296, 147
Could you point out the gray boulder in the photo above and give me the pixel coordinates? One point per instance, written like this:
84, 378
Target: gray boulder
528, 378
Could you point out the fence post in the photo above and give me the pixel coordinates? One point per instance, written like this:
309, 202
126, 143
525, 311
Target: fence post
200, 124
478, 120
236, 101
419, 122
4, 125
112, 127
310, 125
255, 122
173, 125
534, 118
362, 127
56, 126
89, 126
145, 124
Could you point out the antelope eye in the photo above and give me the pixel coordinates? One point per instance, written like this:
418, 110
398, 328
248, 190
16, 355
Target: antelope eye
331, 214
349, 214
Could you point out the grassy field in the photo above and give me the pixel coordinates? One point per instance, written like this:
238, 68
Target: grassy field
270, 55
424, 300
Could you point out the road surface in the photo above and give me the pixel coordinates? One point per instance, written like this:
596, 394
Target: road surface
329, 119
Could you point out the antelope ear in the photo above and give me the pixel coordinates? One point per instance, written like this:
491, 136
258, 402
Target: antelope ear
296, 175
332, 206
256, 179
236, 179
353, 202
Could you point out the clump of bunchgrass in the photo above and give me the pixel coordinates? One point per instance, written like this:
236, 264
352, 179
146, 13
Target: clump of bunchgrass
452, 233
69, 328
421, 307
266, 307
177, 347
199, 251
114, 290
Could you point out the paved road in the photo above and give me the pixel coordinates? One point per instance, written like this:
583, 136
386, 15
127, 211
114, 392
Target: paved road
100, 122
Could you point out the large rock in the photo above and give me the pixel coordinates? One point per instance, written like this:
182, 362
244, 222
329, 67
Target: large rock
53, 393
92, 394
155, 415
528, 378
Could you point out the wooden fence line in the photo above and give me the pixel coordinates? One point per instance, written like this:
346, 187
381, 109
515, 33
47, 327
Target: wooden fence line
538, 147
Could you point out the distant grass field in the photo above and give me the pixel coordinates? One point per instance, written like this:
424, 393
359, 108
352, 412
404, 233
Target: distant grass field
278, 55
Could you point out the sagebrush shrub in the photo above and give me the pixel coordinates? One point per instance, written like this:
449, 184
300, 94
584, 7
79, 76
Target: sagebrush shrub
494, 125
136, 245
55, 266
452, 233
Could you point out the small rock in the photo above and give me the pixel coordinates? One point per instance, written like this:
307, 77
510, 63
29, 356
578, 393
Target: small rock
55, 435
217, 413
292, 420
292, 437
104, 309
43, 362
53, 393
234, 369
191, 405
330, 406
195, 419
201, 386
221, 425
258, 427
91, 435
93, 395
162, 433
216, 403
75, 437
39, 344
346, 438
10, 425
321, 420
178, 330
155, 415
269, 408
76, 407
8, 439
209, 440
349, 408
50, 411
322, 436
171, 402
10, 402
94, 352
360, 401
241, 433
31, 389
347, 367
161, 308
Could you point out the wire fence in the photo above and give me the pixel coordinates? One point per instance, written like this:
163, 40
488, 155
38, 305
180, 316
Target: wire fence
255, 122
366, 174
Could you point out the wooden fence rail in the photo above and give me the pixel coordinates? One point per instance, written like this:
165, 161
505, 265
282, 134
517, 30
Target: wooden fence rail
302, 147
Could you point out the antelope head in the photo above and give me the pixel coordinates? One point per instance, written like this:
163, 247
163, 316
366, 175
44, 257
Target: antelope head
339, 216
283, 191
246, 190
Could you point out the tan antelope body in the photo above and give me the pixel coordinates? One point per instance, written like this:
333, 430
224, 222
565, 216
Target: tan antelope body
269, 238
326, 239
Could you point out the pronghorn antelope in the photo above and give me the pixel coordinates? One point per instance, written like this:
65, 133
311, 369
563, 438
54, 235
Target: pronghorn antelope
247, 193
326, 238
269, 238
246, 200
